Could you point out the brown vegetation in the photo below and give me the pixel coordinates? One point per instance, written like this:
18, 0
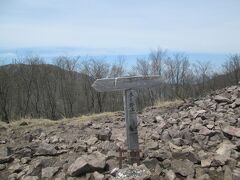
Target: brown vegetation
30, 88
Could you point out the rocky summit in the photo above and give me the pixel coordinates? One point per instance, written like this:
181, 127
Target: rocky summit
198, 139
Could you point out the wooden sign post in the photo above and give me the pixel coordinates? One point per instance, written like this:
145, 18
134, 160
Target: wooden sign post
128, 85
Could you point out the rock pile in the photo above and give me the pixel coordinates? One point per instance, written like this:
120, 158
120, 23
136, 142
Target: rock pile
197, 140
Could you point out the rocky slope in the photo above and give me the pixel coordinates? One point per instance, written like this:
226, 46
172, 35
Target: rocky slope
196, 140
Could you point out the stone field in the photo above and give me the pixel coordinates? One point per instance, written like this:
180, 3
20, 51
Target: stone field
198, 139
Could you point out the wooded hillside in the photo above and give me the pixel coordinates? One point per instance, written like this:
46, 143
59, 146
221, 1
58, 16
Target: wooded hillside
31, 88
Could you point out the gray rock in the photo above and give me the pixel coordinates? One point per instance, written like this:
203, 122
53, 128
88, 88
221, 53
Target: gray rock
221, 99
86, 164
152, 145
5, 151
206, 162
49, 172
225, 148
170, 175
25, 160
104, 135
218, 160
134, 172
236, 174
198, 113
15, 168
159, 154
12, 176
31, 178
231, 130
35, 169
23, 152
227, 173
54, 139
2, 167
165, 136
183, 167
206, 132
60, 176
159, 118
92, 141
191, 156
5, 159
155, 136
97, 176
45, 149
151, 164
204, 177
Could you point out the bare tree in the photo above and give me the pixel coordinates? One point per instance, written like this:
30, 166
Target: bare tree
156, 58
203, 74
5, 96
95, 69
67, 83
232, 68
177, 72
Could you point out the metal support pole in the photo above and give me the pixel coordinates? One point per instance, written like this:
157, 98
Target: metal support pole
131, 126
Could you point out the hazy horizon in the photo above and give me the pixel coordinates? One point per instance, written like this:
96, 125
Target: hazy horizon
204, 30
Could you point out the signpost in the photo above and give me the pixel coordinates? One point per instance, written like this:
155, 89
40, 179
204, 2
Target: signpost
128, 85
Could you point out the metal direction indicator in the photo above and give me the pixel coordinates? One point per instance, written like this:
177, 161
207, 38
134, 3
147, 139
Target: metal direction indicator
124, 83
128, 85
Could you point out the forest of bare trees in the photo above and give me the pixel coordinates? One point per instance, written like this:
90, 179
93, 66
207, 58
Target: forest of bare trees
30, 88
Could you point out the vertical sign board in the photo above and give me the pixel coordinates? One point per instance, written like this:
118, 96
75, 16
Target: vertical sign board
128, 85
131, 125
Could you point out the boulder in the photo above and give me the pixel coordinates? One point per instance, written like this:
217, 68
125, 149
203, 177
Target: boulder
31, 178
206, 132
97, 176
5, 159
231, 130
160, 155
104, 135
23, 152
183, 167
155, 136
88, 163
152, 145
236, 174
227, 173
170, 175
35, 168
151, 163
159, 118
49, 172
91, 141
12, 176
45, 149
225, 148
198, 113
191, 156
218, 160
2, 167
54, 139
221, 99
134, 172
5, 151
206, 162
15, 168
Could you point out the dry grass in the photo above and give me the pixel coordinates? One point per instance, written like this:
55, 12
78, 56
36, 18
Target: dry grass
38, 123
166, 104
3, 125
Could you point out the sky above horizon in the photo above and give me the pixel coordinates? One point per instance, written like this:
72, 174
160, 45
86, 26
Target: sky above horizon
120, 27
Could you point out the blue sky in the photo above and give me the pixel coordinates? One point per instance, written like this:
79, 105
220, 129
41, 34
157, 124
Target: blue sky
203, 28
